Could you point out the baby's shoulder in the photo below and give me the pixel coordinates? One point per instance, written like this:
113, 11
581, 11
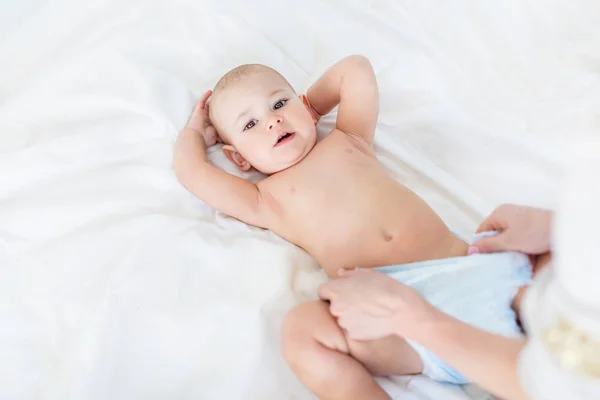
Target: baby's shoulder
348, 141
339, 138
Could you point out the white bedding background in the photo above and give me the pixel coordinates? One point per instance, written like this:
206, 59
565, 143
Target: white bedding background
115, 283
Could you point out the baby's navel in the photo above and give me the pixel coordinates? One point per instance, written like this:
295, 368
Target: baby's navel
387, 236
349, 151
292, 190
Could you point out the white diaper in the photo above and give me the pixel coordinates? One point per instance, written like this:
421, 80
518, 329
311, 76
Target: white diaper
476, 289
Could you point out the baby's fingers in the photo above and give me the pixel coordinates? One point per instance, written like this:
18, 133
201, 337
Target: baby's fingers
204, 99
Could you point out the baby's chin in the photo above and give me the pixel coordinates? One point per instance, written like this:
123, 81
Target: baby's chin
272, 170
280, 167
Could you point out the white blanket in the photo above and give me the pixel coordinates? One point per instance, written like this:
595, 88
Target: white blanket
115, 283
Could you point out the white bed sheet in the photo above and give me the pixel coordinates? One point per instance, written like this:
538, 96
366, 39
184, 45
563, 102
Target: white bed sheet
117, 283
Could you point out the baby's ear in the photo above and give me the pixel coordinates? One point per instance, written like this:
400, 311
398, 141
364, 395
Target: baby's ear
315, 115
235, 157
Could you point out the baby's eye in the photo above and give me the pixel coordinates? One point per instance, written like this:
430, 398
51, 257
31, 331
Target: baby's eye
250, 124
279, 104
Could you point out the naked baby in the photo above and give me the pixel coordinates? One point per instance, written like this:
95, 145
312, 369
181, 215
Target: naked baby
334, 199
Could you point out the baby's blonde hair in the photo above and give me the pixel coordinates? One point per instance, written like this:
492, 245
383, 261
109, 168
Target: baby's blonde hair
240, 72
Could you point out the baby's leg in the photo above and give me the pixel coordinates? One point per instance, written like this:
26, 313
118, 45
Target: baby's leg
335, 367
541, 262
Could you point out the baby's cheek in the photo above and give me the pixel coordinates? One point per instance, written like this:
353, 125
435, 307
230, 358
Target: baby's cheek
260, 154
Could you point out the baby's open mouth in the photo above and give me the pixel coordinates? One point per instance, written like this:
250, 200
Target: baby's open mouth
284, 138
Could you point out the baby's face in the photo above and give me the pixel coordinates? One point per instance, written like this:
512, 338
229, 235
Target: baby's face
265, 121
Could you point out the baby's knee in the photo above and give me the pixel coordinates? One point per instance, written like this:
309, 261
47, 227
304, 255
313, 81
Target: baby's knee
308, 325
298, 326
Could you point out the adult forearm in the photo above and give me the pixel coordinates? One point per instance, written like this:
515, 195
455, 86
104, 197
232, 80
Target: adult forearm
487, 359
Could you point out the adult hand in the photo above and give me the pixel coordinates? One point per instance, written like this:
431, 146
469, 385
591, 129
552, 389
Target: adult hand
370, 305
522, 228
200, 122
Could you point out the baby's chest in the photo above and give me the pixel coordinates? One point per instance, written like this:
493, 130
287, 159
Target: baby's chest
332, 187
326, 202
320, 186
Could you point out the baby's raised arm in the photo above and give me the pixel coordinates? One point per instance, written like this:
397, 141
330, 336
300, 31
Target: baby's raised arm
351, 83
232, 195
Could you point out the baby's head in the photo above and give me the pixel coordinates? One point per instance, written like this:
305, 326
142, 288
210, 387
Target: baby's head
260, 118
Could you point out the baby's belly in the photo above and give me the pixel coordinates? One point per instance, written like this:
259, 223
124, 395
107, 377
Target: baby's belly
378, 253
407, 233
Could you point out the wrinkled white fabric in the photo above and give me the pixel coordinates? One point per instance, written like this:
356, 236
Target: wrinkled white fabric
117, 283
568, 291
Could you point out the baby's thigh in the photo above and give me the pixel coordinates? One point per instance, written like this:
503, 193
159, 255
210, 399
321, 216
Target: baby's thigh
541, 262
388, 356
312, 321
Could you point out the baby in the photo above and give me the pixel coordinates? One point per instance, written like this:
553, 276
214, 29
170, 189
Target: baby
335, 200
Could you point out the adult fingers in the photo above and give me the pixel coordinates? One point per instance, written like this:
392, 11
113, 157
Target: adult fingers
490, 245
347, 273
497, 220
326, 290
490, 223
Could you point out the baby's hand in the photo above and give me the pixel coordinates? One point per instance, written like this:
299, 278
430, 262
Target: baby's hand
200, 121
315, 115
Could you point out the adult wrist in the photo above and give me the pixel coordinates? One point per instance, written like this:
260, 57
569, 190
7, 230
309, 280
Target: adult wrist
549, 216
421, 326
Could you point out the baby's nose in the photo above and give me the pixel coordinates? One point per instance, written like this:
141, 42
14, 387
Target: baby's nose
273, 123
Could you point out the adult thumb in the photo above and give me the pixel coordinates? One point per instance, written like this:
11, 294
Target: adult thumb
347, 273
489, 245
